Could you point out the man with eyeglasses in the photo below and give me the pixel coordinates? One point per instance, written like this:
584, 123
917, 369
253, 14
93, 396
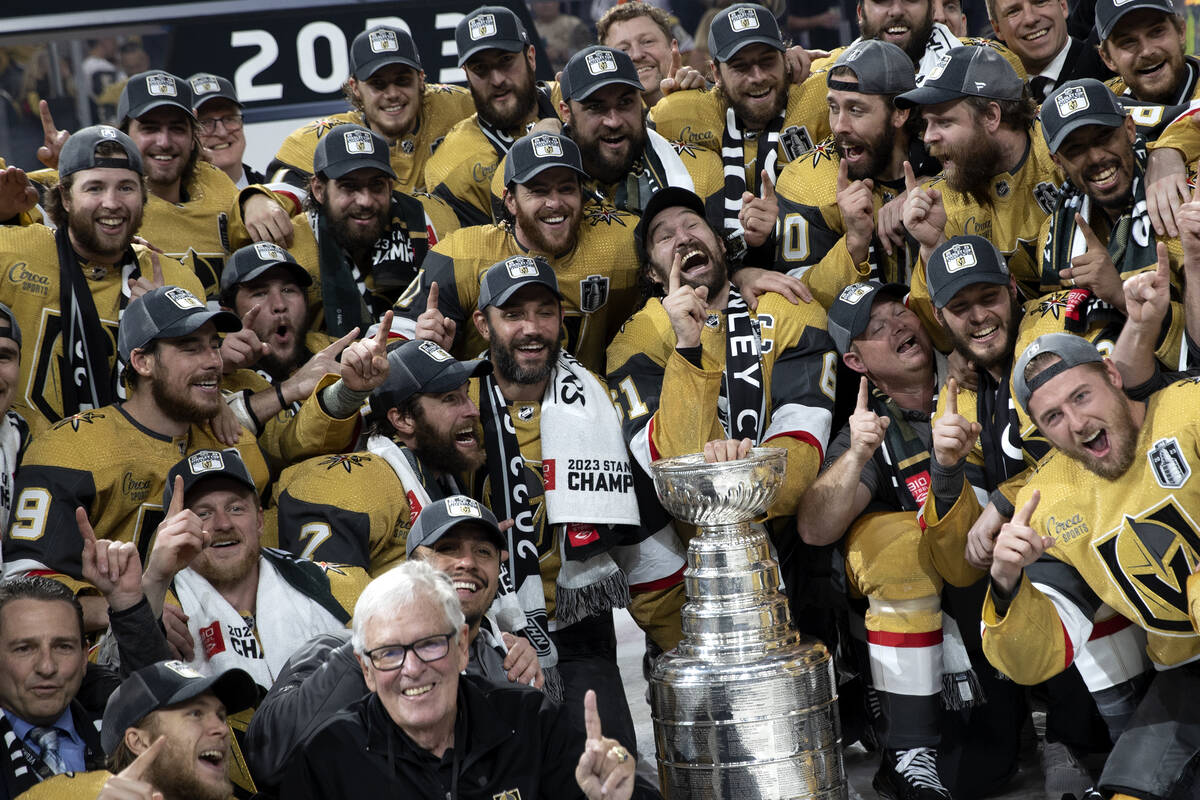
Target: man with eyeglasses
219, 113
426, 730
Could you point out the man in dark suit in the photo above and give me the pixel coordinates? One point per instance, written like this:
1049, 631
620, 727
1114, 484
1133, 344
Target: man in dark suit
1036, 30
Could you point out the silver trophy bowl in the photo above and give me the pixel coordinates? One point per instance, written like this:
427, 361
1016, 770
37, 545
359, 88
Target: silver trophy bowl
744, 707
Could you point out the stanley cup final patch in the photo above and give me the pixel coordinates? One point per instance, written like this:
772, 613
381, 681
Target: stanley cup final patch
359, 142
203, 84
481, 26
383, 41
547, 146
593, 293
1071, 101
1167, 462
161, 86
959, 256
743, 19
205, 461
521, 267
600, 62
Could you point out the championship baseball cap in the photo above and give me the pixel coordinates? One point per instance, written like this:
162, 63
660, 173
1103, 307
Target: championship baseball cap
504, 278
851, 311
14, 330
881, 68
1109, 12
79, 151
165, 684
149, 90
535, 153
1073, 350
973, 70
960, 262
486, 28
248, 262
440, 517
206, 86
667, 197
350, 147
1076, 104
422, 367
166, 312
377, 47
595, 67
204, 464
739, 25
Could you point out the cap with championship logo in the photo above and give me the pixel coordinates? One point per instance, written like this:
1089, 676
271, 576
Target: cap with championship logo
1076, 104
422, 367
253, 260
1072, 351
13, 331
165, 684
881, 68
960, 262
206, 86
504, 278
204, 464
668, 197
440, 517
149, 90
970, 71
595, 67
350, 147
740, 25
79, 152
164, 313
535, 153
486, 28
375, 48
851, 311
1109, 12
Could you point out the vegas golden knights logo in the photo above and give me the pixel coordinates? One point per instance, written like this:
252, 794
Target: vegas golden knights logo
509, 794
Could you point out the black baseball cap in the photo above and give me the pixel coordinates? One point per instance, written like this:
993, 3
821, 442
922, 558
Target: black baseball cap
350, 147
206, 86
742, 24
1071, 349
960, 262
79, 151
248, 262
595, 67
535, 153
440, 517
1076, 104
165, 684
881, 68
504, 278
851, 311
164, 313
149, 90
486, 28
377, 47
204, 464
422, 367
667, 197
1109, 12
970, 71
14, 330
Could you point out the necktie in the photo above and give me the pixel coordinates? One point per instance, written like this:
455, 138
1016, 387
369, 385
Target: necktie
1040, 86
47, 741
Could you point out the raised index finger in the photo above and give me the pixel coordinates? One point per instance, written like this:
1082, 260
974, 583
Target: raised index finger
676, 59
385, 330
431, 301
952, 396
1092, 238
862, 394
1025, 514
1163, 273
341, 344
768, 186
48, 126
142, 763
591, 717
251, 315
156, 266
176, 497
910, 179
676, 269
85, 525
843, 178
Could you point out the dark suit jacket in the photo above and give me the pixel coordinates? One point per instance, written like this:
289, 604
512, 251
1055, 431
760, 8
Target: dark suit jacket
1083, 61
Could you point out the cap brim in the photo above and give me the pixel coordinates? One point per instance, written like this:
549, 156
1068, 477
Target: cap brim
234, 688
456, 374
374, 65
1107, 120
134, 113
946, 293
667, 197
215, 96
299, 272
733, 49
340, 169
927, 96
893, 291
226, 322
610, 82
191, 481
538, 169
434, 536
504, 296
507, 45
1125, 9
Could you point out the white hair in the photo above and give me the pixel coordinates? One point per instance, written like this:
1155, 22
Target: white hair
402, 586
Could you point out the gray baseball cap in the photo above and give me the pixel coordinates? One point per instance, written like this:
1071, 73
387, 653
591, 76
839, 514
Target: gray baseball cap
851, 311
535, 153
1109, 12
486, 28
881, 68
164, 313
440, 517
350, 147
14, 330
960, 262
1076, 104
970, 71
150, 90
1073, 350
79, 151
377, 47
254, 259
204, 464
595, 67
504, 278
743, 24
421, 367
206, 86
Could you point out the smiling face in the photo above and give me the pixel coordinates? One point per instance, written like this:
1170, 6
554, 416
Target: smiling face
523, 335
679, 230
166, 138
42, 658
356, 205
1099, 161
230, 512
1146, 48
10, 368
982, 320
104, 211
547, 209
469, 555
503, 86
905, 23
193, 762
610, 129
864, 129
282, 318
894, 347
1036, 30
222, 146
184, 374
755, 83
443, 431
648, 47
958, 136
390, 99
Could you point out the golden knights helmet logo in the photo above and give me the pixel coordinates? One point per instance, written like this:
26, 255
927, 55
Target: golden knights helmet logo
1072, 101
481, 26
959, 257
161, 85
743, 19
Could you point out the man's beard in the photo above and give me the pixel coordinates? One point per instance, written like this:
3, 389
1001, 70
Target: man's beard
757, 120
438, 450
717, 280
168, 775
506, 364
1122, 437
281, 367
975, 165
1002, 358
879, 151
357, 241
601, 166
83, 234
918, 35
226, 575
180, 406
526, 105
531, 232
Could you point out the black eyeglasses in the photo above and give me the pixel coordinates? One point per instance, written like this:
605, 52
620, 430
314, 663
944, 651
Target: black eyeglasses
391, 656
232, 123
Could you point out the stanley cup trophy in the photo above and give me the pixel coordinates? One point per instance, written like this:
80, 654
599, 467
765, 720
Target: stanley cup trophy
745, 708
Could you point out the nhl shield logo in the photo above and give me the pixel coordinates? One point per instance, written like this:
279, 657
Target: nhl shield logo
600, 62
593, 293
205, 461
359, 142
743, 19
1071, 101
383, 41
269, 252
481, 26
203, 84
161, 86
958, 257
1167, 462
434, 351
545, 146
182, 298
521, 267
